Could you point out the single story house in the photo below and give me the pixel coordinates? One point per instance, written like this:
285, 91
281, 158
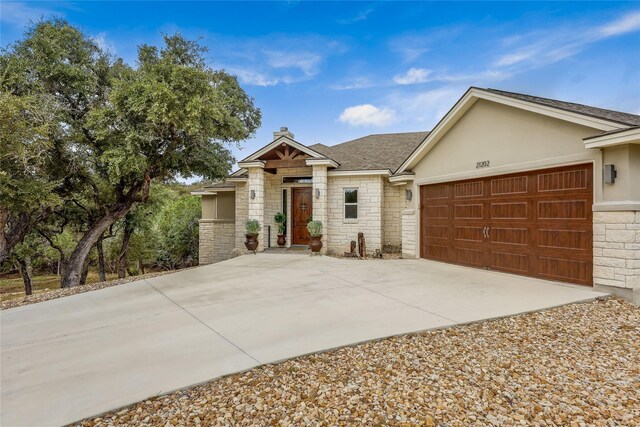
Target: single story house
505, 181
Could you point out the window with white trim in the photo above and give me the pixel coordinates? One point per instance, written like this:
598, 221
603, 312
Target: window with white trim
350, 203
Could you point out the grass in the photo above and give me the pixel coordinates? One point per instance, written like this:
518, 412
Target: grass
12, 286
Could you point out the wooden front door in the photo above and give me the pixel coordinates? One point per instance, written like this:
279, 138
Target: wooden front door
301, 209
536, 223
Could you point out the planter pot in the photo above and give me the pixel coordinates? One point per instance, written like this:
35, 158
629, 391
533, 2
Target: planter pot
282, 240
315, 243
252, 242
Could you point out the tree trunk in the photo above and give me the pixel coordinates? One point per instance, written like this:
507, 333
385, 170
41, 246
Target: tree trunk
99, 248
15, 233
140, 266
73, 269
85, 272
124, 249
25, 272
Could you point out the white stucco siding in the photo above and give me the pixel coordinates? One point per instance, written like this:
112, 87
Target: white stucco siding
511, 140
342, 231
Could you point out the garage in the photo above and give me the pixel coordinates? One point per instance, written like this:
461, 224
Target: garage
536, 223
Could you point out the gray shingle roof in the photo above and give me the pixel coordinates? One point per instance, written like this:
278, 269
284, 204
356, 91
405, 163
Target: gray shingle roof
373, 152
600, 113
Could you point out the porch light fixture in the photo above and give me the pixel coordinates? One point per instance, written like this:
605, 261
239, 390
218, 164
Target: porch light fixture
317, 193
253, 194
408, 194
610, 174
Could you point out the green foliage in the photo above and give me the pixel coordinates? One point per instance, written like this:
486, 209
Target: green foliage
84, 135
281, 220
175, 230
252, 226
315, 228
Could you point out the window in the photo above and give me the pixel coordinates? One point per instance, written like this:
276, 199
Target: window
297, 180
350, 203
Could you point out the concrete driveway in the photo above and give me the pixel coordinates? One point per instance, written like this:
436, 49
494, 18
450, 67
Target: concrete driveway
78, 356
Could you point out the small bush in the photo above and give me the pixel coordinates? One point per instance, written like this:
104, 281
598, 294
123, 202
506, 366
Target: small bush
252, 226
315, 228
281, 220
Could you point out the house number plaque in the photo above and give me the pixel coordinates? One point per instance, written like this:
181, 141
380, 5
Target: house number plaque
482, 164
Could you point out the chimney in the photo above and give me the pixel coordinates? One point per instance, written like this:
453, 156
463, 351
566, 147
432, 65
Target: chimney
284, 131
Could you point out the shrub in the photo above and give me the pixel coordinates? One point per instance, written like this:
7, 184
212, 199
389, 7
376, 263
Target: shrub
315, 228
281, 220
252, 226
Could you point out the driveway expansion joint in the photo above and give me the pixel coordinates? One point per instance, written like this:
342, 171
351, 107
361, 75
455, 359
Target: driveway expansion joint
204, 324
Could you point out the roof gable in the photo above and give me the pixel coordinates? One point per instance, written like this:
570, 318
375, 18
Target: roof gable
279, 142
560, 110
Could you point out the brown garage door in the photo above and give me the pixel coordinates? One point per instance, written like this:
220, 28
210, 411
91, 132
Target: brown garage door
535, 223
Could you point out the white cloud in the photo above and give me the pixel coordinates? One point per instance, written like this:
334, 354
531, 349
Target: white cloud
626, 24
367, 115
413, 76
101, 40
276, 58
357, 83
540, 48
360, 16
426, 106
19, 14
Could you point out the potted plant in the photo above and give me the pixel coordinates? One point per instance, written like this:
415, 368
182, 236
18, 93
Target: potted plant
252, 227
315, 235
281, 220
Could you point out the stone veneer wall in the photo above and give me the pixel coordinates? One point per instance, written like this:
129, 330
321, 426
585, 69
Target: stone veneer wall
393, 204
409, 227
242, 213
616, 252
216, 240
340, 231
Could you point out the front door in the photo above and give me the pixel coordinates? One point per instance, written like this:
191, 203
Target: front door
300, 214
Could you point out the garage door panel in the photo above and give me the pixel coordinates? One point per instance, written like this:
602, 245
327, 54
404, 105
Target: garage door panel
437, 211
515, 185
511, 262
517, 210
438, 252
469, 256
519, 236
565, 269
468, 211
469, 189
536, 223
564, 180
563, 210
564, 239
468, 233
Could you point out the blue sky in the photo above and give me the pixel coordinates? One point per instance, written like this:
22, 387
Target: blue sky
334, 71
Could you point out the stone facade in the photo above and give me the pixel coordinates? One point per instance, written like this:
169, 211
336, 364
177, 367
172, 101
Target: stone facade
616, 253
340, 231
242, 213
320, 201
255, 185
216, 240
409, 228
393, 204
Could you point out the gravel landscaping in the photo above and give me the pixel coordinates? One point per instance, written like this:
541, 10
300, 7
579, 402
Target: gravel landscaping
574, 365
59, 293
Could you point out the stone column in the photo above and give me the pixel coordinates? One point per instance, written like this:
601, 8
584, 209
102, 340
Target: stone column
206, 251
616, 253
255, 195
320, 207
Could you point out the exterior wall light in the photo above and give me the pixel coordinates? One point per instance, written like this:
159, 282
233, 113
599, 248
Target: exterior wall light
408, 194
317, 193
253, 194
610, 174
